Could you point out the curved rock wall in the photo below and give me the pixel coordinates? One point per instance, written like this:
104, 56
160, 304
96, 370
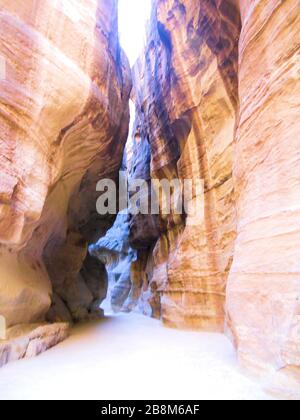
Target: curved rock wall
64, 116
186, 95
217, 97
264, 284
114, 251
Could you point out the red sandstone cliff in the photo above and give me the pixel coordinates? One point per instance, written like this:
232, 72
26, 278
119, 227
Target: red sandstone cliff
186, 94
217, 97
264, 284
63, 124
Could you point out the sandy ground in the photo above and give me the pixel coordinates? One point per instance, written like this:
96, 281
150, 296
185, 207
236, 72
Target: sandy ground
131, 357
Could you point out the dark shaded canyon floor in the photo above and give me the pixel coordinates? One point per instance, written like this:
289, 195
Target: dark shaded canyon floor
131, 357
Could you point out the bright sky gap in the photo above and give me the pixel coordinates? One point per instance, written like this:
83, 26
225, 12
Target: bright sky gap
133, 17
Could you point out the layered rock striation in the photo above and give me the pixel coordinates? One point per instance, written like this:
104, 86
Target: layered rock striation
217, 98
27, 341
186, 96
64, 116
216, 94
264, 284
115, 252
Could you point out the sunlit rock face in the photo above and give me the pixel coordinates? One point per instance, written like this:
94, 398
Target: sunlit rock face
30, 340
264, 284
63, 124
217, 97
115, 252
186, 96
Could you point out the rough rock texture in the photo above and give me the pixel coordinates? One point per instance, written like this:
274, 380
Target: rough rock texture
114, 251
217, 97
186, 96
145, 230
26, 341
263, 298
63, 124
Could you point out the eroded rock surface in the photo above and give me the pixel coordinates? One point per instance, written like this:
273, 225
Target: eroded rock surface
27, 341
115, 252
186, 95
263, 292
217, 98
63, 125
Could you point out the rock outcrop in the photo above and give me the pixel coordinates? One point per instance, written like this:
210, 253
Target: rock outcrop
64, 116
217, 98
263, 295
27, 341
216, 94
186, 96
115, 252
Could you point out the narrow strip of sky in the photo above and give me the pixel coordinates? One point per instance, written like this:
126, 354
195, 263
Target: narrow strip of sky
133, 17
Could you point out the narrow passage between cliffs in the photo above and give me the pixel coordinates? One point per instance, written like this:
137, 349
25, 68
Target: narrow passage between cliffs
131, 357
133, 17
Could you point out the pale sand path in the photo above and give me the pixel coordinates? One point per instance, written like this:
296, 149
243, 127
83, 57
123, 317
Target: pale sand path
131, 357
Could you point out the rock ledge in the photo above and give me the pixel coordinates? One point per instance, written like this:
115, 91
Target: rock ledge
30, 340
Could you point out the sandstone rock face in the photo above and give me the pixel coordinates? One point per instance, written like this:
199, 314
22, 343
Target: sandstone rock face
145, 230
114, 251
27, 341
264, 284
186, 96
64, 116
217, 98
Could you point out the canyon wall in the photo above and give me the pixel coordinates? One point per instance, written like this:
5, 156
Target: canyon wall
264, 283
217, 98
64, 117
114, 251
186, 96
216, 94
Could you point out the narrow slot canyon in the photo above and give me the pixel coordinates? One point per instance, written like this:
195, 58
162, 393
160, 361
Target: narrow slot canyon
149, 200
